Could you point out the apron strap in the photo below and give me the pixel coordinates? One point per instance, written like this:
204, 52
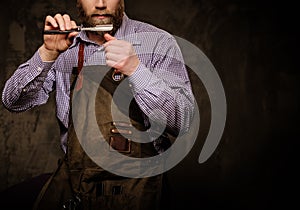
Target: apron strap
80, 65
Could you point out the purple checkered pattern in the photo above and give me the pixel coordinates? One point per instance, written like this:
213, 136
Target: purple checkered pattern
160, 82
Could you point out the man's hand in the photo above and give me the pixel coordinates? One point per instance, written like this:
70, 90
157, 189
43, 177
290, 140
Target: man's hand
58, 43
120, 55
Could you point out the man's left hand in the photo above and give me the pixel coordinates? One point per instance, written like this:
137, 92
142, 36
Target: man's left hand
120, 55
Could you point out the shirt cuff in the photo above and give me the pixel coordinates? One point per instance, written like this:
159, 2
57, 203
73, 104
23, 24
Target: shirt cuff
139, 80
37, 67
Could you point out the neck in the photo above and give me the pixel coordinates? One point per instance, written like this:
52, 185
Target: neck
99, 39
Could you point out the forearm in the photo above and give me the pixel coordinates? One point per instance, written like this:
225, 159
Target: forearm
48, 55
27, 87
167, 98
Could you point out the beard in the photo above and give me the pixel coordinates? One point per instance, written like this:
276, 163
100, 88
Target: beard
113, 17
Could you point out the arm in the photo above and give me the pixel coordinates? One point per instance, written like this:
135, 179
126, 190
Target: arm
29, 86
163, 85
32, 82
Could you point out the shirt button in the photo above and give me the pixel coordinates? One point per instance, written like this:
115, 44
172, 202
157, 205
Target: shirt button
39, 69
130, 85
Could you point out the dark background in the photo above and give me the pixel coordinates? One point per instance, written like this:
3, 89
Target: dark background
254, 48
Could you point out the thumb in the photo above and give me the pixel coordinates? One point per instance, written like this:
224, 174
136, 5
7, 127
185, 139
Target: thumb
109, 37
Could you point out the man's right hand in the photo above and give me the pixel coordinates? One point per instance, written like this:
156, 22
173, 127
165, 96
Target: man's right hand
55, 44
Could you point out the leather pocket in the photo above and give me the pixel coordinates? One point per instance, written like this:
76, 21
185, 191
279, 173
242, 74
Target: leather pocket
120, 144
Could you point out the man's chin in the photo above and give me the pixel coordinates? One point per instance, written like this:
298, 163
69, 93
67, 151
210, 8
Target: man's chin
100, 33
104, 21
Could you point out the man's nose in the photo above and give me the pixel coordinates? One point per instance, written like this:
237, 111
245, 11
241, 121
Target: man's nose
100, 4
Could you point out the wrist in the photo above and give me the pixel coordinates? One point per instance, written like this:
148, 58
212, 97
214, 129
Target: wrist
47, 55
134, 67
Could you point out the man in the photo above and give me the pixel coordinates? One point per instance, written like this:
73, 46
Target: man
149, 60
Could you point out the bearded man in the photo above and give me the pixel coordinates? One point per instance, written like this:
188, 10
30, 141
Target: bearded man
157, 94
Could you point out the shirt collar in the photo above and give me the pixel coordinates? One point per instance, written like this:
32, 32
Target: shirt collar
128, 31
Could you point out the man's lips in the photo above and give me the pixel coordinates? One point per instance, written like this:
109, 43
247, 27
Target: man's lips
101, 16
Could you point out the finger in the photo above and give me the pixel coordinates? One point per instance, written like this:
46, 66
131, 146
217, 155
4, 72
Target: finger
60, 21
118, 65
110, 63
73, 24
113, 49
109, 37
73, 34
113, 57
50, 21
67, 21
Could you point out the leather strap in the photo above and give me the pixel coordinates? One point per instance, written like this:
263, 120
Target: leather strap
80, 65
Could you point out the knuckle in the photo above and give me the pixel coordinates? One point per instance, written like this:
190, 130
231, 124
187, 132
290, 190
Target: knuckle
66, 16
57, 15
48, 18
73, 23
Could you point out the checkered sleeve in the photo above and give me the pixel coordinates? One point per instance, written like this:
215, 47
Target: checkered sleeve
29, 86
162, 89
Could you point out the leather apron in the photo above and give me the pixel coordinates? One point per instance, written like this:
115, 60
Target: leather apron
80, 183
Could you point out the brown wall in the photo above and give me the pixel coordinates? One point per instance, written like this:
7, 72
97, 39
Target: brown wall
253, 47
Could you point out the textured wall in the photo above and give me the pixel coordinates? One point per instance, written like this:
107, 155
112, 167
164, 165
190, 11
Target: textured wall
253, 47
29, 141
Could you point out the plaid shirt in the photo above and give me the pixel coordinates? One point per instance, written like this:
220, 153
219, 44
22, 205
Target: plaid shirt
160, 81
